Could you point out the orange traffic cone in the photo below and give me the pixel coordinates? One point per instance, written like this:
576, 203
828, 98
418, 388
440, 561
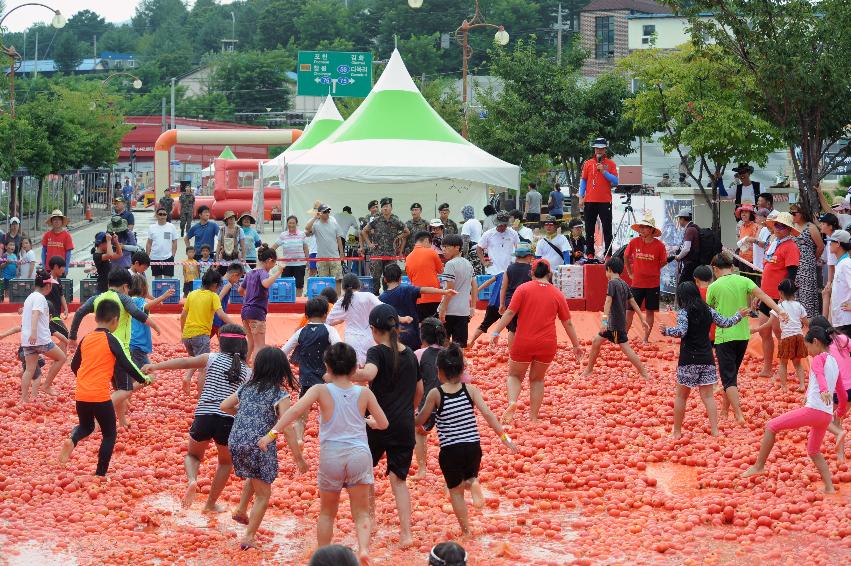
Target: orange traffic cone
88, 213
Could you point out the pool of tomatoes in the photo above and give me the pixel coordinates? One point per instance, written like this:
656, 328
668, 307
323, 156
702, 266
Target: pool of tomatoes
597, 480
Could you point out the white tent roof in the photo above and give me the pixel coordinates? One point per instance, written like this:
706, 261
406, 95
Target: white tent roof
323, 124
395, 137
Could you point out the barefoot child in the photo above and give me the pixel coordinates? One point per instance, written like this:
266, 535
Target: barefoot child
225, 372
840, 349
196, 322
492, 312
344, 456
353, 308
261, 401
393, 375
255, 294
817, 413
94, 363
229, 282
696, 366
191, 271
460, 450
36, 336
141, 342
434, 339
119, 285
618, 297
308, 346
791, 333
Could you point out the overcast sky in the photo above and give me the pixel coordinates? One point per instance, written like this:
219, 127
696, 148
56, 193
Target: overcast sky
115, 11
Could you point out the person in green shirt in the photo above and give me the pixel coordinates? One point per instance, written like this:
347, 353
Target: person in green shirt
728, 294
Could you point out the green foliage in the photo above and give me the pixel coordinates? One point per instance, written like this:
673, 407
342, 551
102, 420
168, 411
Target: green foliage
797, 55
443, 96
85, 24
421, 54
547, 109
67, 53
689, 100
252, 81
845, 181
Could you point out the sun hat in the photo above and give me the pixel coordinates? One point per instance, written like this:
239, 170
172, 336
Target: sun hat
576, 222
502, 219
773, 215
684, 213
228, 214
316, 204
384, 317
785, 219
839, 203
745, 207
246, 215
116, 224
648, 221
841, 236
57, 214
743, 168
435, 223
600, 142
523, 250
549, 219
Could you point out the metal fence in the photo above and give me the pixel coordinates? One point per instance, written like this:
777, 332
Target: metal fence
71, 192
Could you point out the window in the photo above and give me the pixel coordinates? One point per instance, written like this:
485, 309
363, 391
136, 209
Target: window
604, 28
647, 31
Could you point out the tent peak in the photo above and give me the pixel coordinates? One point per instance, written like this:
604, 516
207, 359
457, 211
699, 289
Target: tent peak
395, 76
328, 111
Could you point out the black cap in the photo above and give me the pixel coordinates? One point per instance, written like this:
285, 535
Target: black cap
372, 203
386, 200
347, 209
443, 206
384, 317
416, 205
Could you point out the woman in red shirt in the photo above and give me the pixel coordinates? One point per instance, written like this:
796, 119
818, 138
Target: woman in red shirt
536, 304
782, 258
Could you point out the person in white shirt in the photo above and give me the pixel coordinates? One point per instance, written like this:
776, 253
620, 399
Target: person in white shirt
27, 259
840, 296
828, 223
353, 308
553, 245
346, 221
472, 229
35, 336
759, 242
498, 243
523, 232
162, 245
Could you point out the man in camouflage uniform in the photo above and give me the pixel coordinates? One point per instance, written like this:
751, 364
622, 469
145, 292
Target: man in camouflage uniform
167, 203
385, 235
449, 226
414, 225
187, 208
363, 221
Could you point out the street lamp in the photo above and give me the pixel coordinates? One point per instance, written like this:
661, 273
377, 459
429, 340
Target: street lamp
137, 82
415, 4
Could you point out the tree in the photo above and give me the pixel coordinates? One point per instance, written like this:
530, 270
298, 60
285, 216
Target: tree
547, 109
85, 24
252, 80
67, 55
688, 98
276, 23
320, 19
121, 39
151, 15
797, 54
421, 54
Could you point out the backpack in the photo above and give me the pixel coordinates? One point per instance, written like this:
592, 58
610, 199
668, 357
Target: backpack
710, 245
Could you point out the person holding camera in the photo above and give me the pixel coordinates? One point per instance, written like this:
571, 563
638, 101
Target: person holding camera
599, 177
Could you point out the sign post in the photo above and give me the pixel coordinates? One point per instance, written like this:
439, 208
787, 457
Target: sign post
338, 73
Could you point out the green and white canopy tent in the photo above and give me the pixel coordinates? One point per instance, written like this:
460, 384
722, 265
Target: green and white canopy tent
210, 170
326, 120
396, 145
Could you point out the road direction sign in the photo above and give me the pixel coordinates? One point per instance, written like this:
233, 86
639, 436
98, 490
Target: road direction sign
338, 73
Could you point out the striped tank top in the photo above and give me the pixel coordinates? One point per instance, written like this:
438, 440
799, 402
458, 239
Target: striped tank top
217, 388
455, 418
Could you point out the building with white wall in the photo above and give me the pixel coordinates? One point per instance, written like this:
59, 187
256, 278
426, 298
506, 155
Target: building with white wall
663, 31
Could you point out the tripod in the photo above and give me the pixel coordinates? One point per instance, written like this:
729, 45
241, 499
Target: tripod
627, 219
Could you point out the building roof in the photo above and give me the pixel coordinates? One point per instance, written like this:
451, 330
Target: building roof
661, 16
114, 55
644, 6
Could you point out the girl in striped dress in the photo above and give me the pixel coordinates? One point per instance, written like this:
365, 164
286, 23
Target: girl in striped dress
460, 450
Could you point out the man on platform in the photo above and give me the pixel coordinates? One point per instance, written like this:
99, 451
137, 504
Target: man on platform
599, 176
644, 258
384, 236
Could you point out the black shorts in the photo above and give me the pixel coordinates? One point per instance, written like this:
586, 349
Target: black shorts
215, 427
512, 324
533, 217
460, 462
836, 398
398, 456
121, 380
187, 288
162, 270
491, 316
764, 309
425, 310
730, 356
615, 336
57, 325
646, 297
457, 329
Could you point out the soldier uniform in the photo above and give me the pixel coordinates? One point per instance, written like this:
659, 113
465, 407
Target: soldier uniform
384, 232
186, 200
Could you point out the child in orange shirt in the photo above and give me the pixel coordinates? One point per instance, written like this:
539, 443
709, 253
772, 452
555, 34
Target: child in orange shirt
94, 363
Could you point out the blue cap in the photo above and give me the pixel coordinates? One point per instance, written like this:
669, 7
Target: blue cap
100, 238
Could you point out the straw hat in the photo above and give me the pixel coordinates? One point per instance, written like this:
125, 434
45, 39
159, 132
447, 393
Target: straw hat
57, 214
648, 221
745, 207
228, 214
785, 219
246, 215
316, 205
839, 203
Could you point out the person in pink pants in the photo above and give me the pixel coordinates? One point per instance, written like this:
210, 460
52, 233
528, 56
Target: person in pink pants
817, 413
840, 349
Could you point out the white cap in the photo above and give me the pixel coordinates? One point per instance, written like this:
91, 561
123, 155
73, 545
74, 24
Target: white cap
14, 220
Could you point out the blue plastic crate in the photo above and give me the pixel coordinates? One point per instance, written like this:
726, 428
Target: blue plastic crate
235, 297
283, 290
316, 284
484, 294
365, 282
196, 284
160, 286
406, 280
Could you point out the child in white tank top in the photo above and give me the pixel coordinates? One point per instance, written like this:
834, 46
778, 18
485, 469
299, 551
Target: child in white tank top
344, 456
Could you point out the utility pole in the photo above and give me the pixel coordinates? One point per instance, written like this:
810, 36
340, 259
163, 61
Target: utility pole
558, 37
164, 123
95, 47
171, 157
35, 67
